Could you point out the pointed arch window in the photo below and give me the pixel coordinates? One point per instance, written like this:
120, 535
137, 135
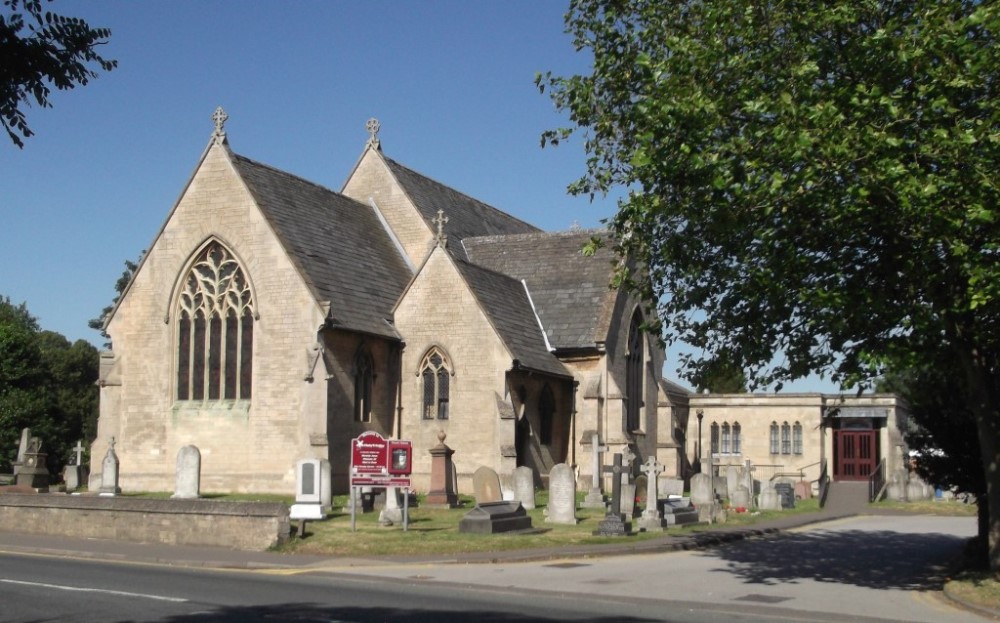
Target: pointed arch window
215, 325
726, 431
364, 377
435, 372
633, 373
797, 438
546, 415
786, 438
737, 442
775, 448
715, 438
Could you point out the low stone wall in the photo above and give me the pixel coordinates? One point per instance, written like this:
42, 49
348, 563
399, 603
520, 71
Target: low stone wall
236, 525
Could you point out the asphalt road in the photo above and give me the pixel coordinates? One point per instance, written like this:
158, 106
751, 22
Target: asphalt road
862, 569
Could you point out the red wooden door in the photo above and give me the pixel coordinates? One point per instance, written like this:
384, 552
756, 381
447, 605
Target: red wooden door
855, 458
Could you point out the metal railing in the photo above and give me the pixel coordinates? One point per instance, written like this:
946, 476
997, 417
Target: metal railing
876, 482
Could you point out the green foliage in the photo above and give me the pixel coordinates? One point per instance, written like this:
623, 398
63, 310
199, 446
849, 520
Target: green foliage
39, 48
811, 185
720, 377
46, 384
810, 179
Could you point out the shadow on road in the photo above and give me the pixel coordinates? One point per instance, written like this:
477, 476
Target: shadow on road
310, 613
871, 559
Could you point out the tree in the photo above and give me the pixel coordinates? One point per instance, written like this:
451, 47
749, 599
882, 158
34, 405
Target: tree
810, 186
47, 384
40, 48
720, 377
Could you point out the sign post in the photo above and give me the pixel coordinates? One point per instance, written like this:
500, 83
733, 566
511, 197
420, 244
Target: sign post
380, 462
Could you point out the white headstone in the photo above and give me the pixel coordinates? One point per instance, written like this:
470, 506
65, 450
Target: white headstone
308, 481
486, 485
769, 499
701, 489
187, 473
524, 486
562, 495
109, 472
667, 487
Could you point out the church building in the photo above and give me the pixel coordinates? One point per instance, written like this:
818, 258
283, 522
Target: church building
274, 319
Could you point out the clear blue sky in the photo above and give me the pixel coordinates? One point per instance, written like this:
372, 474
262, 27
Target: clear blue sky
451, 82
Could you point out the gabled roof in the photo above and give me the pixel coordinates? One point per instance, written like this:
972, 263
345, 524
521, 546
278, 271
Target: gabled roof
571, 292
506, 304
339, 244
467, 216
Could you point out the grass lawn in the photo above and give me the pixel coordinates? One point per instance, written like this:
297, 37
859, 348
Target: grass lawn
435, 531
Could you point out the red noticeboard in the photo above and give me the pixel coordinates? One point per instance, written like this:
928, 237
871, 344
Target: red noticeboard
377, 462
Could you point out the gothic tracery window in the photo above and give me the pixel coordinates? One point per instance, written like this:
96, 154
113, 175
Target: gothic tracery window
435, 371
786, 438
215, 322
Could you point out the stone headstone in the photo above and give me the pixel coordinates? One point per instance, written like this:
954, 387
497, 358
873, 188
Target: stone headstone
614, 523
769, 498
392, 512
733, 480
109, 471
678, 511
740, 498
701, 489
786, 492
669, 487
308, 480
628, 493
524, 486
562, 495
651, 519
803, 490
442, 490
495, 517
486, 485
22, 447
595, 497
187, 473
34, 472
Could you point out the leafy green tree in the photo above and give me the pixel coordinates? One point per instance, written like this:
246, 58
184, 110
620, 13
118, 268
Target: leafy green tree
810, 186
720, 377
39, 48
46, 384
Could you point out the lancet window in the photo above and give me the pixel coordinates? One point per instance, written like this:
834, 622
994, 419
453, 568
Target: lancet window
435, 371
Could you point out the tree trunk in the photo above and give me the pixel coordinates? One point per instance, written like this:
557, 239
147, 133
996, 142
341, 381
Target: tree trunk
984, 408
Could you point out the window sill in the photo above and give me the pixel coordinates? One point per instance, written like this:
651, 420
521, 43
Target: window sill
214, 408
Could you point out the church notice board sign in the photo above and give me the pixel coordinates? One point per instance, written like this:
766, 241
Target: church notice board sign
380, 462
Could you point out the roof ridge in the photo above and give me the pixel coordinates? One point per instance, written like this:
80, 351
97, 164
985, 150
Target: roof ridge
566, 233
459, 192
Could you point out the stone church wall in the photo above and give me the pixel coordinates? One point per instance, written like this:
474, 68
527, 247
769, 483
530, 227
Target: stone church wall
245, 446
438, 310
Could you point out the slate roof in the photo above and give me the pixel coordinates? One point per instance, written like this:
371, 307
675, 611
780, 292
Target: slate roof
507, 306
467, 217
570, 291
340, 246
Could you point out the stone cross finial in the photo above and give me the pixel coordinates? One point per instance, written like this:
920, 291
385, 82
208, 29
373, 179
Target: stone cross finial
441, 219
373, 127
219, 117
78, 450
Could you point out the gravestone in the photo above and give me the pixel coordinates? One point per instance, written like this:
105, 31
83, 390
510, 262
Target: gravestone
669, 487
803, 490
310, 480
187, 473
562, 496
769, 499
786, 492
109, 472
701, 489
614, 523
392, 512
494, 518
486, 485
22, 447
75, 473
733, 480
679, 511
740, 498
524, 486
442, 490
595, 497
651, 519
628, 493
33, 472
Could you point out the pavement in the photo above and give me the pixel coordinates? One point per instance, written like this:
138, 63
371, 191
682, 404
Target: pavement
222, 558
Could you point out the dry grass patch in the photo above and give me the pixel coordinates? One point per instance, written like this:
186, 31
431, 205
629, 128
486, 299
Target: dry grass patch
950, 508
